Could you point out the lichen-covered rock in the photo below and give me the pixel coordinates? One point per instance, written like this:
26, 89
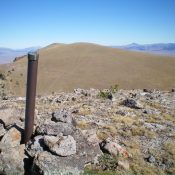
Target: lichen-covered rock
52, 128
61, 145
12, 161
11, 139
63, 115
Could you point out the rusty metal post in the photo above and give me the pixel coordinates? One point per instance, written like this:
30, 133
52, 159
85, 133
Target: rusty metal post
30, 94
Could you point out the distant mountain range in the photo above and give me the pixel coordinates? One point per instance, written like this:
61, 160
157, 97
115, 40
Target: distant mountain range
159, 48
8, 55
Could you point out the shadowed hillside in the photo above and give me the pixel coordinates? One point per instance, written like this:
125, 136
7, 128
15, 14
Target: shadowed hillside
65, 67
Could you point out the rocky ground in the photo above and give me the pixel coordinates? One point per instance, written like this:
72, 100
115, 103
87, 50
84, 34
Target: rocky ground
91, 132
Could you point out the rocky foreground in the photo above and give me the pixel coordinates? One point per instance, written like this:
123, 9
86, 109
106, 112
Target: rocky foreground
91, 132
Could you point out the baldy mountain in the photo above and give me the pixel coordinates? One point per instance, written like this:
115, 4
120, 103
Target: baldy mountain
63, 67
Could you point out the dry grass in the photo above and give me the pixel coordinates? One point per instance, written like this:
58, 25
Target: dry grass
153, 119
65, 67
169, 118
102, 135
126, 120
83, 124
85, 110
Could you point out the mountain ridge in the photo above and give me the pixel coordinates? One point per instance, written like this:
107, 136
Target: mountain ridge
156, 48
7, 55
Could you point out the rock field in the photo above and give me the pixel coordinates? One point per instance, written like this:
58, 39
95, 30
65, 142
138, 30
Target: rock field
91, 132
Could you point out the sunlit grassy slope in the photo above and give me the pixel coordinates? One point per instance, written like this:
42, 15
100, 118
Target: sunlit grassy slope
65, 67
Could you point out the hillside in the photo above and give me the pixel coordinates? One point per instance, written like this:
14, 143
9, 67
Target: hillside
63, 67
130, 133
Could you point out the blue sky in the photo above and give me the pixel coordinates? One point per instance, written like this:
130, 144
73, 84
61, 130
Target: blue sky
25, 23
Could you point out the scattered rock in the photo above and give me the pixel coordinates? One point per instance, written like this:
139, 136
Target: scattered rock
80, 91
151, 159
60, 148
61, 145
148, 90
150, 111
122, 113
154, 126
132, 104
63, 115
11, 139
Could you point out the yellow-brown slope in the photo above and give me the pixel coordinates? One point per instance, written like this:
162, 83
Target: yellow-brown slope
65, 67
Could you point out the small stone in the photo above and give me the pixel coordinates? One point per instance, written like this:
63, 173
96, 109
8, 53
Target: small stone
61, 145
124, 164
63, 115
131, 104
4, 98
80, 91
147, 90
151, 159
122, 113
11, 139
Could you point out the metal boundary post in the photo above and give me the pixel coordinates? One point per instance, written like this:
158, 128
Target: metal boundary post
30, 94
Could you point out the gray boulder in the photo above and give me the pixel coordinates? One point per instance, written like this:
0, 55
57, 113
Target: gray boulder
12, 161
11, 116
11, 139
61, 145
47, 163
52, 128
63, 115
